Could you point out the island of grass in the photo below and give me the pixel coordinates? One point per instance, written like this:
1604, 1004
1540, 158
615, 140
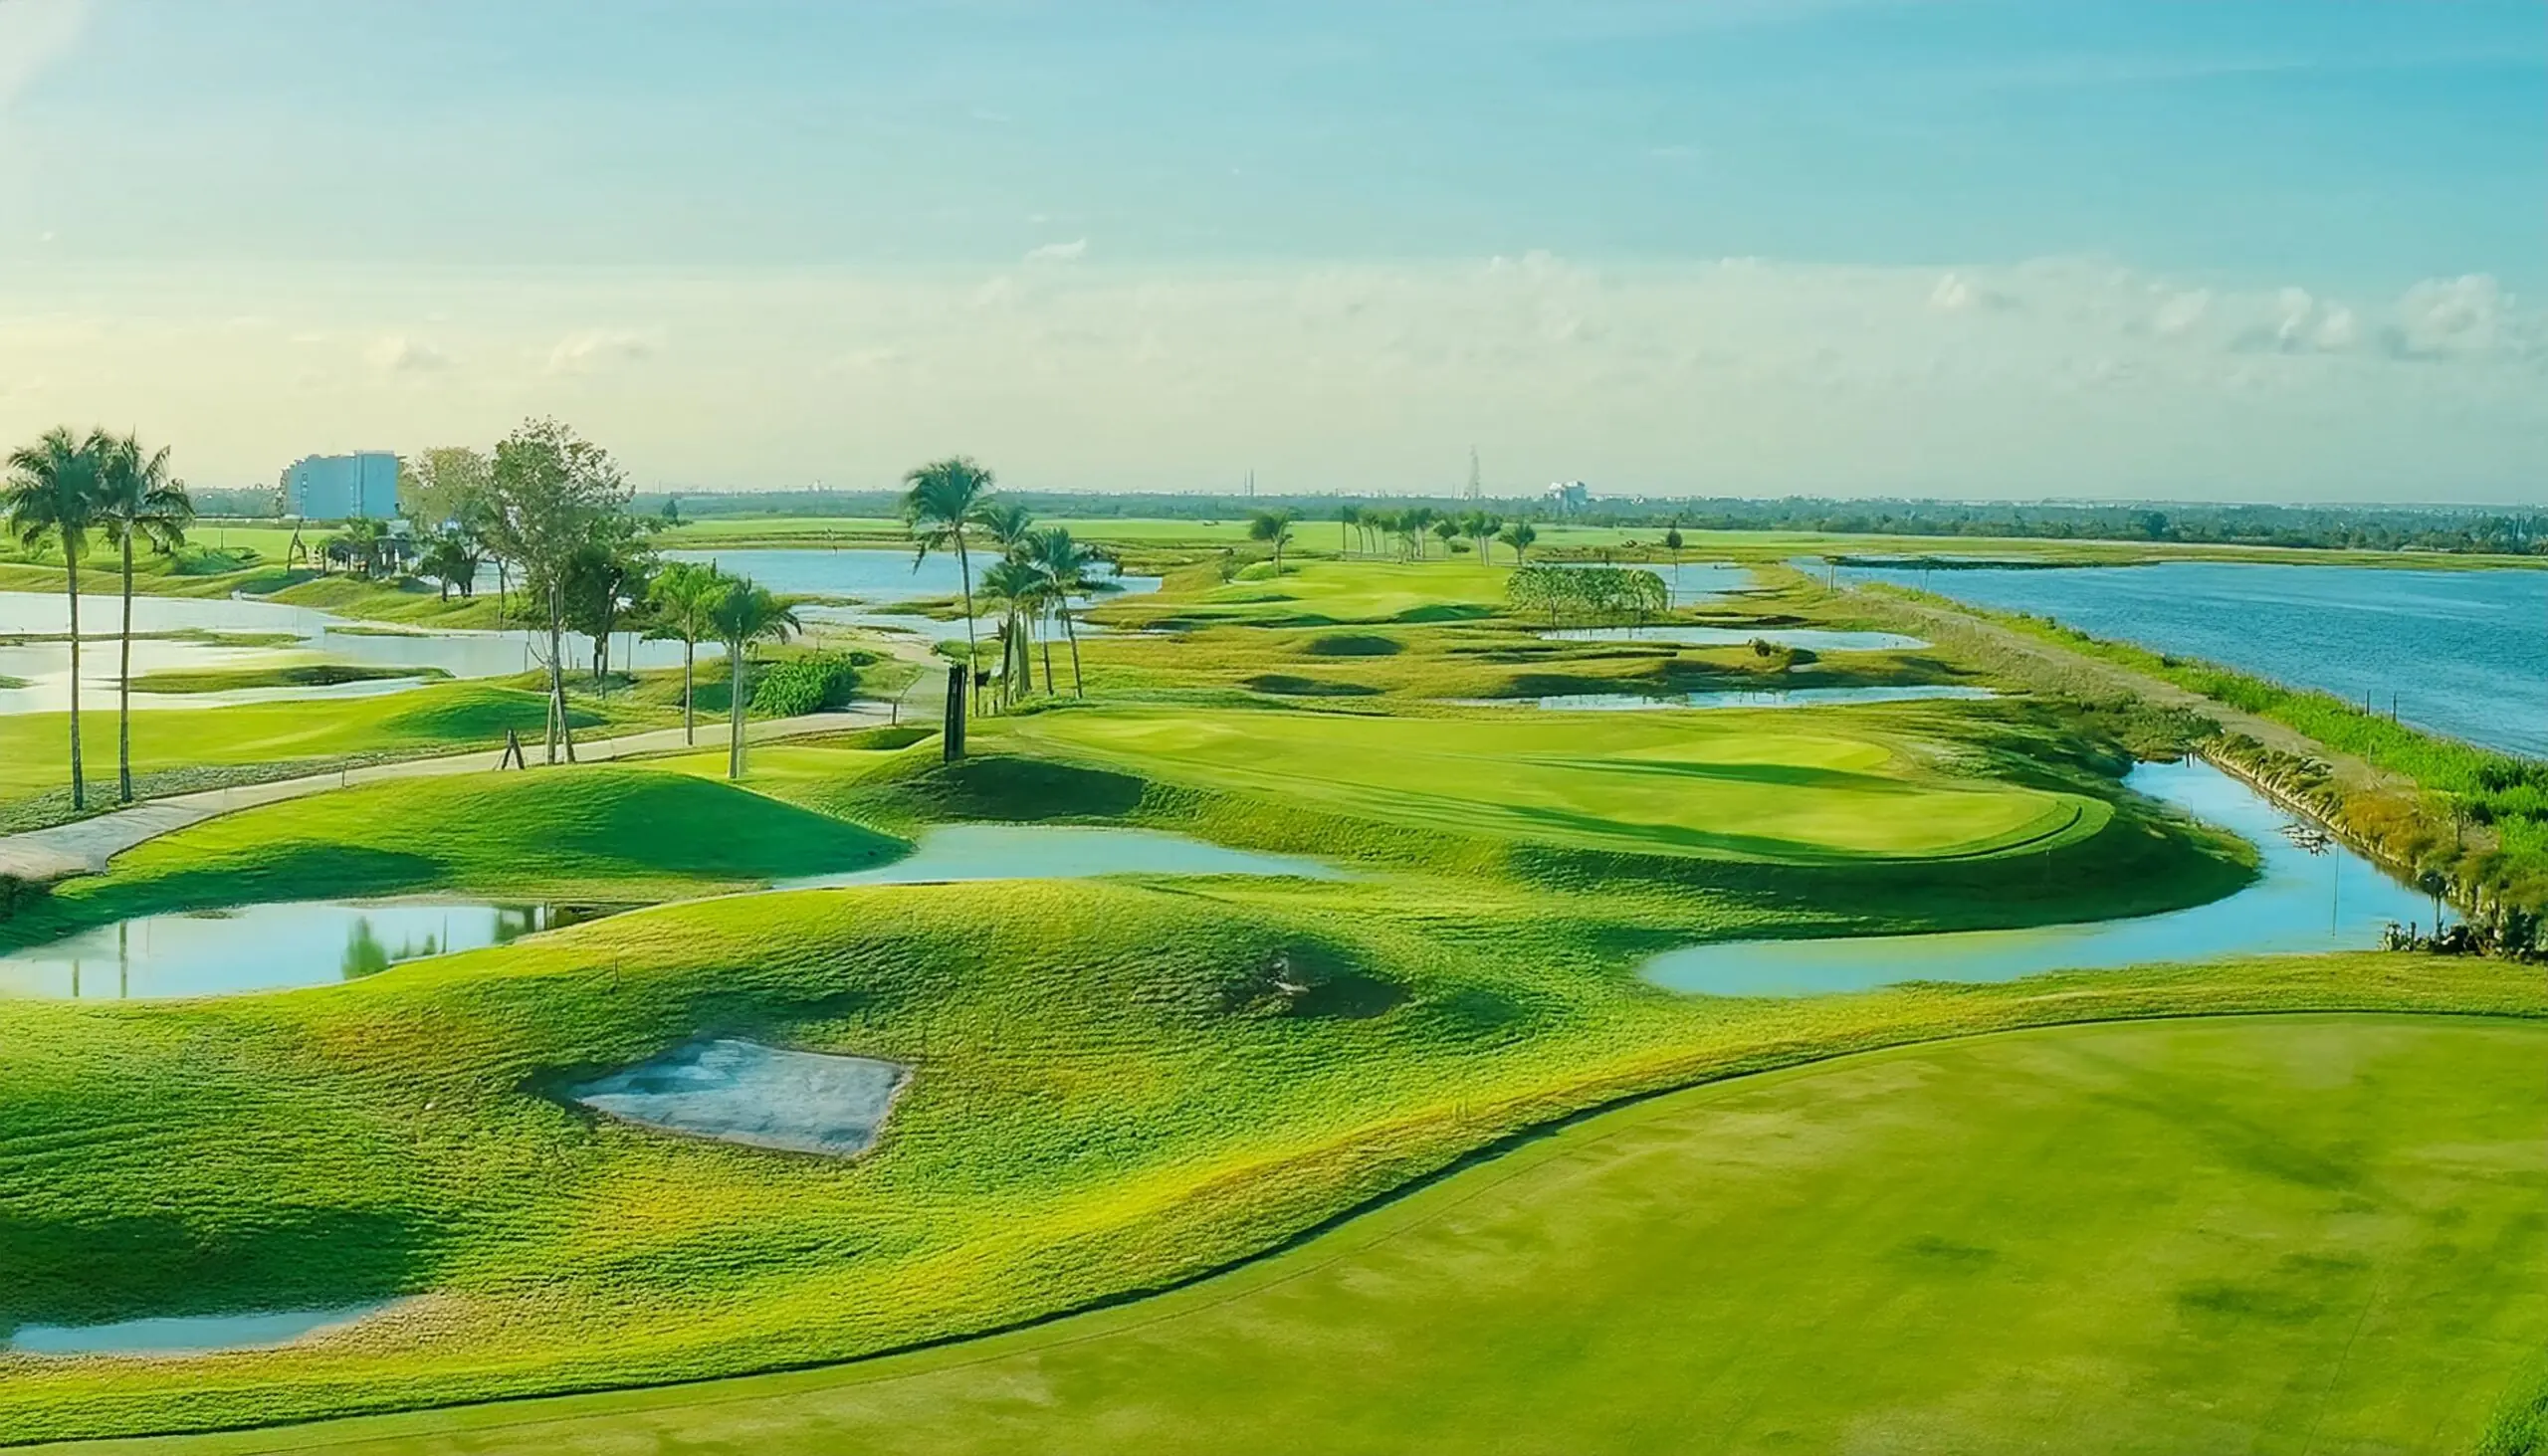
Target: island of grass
281, 675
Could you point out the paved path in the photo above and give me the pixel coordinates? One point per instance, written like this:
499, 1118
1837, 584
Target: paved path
85, 846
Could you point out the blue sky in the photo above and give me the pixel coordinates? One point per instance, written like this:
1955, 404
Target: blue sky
2058, 247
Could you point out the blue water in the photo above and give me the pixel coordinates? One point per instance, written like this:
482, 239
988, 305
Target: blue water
2328, 899
256, 948
184, 1334
961, 852
1744, 698
1684, 634
2463, 653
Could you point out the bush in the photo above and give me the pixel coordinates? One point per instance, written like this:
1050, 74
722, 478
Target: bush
801, 685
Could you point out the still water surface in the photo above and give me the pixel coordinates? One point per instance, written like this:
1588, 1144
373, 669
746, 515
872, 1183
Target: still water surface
258, 948
2463, 652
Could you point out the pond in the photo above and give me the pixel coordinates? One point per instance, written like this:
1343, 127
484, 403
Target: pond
261, 947
2463, 653
734, 1091
962, 852
878, 579
2311, 895
1683, 634
1743, 698
300, 634
185, 1334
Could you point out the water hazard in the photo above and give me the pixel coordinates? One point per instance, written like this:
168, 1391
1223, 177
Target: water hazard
963, 852
185, 1334
261, 947
2312, 895
877, 580
1683, 634
1743, 698
2463, 652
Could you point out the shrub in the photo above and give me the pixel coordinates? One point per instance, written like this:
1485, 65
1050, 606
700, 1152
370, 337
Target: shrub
801, 685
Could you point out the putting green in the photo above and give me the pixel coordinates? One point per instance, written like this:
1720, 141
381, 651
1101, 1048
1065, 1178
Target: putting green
2251, 1234
1739, 786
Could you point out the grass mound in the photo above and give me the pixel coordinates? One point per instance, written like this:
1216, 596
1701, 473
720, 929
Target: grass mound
607, 833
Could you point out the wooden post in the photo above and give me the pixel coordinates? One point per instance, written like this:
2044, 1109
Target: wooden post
952, 738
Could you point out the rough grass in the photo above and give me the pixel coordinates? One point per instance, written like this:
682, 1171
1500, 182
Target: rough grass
2178, 1206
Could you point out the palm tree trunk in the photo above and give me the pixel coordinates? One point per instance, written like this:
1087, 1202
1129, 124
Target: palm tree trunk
689, 718
1078, 687
1048, 664
734, 709
964, 571
124, 687
78, 783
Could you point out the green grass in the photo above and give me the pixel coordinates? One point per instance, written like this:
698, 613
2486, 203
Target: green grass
604, 832
1122, 1084
279, 674
1740, 785
2258, 1234
175, 748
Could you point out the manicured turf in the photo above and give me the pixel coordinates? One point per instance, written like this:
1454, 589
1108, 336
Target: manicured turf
602, 833
450, 716
1741, 786
2252, 1234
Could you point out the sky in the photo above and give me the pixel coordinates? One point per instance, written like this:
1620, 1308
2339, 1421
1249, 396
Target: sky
2276, 249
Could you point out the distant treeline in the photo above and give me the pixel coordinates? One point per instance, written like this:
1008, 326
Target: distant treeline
2359, 528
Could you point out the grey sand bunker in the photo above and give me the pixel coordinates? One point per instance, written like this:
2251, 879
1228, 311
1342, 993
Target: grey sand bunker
762, 1096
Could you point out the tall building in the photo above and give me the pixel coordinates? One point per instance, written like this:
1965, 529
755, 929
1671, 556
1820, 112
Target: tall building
1570, 496
360, 487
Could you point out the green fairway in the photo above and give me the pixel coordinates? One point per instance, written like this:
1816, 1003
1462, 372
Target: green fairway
1742, 786
2267, 1235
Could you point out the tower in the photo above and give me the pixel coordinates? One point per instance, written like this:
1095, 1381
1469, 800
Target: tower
1476, 490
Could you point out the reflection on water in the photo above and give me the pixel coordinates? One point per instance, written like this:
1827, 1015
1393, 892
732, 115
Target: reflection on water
1682, 634
1741, 698
258, 948
876, 579
2463, 652
2312, 893
184, 1334
955, 852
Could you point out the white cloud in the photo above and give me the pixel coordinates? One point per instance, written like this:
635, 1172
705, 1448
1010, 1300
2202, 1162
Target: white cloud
2180, 313
1954, 293
396, 354
2443, 317
1070, 252
33, 35
589, 350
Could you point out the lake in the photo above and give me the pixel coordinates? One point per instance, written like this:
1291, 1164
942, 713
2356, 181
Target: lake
878, 579
2463, 653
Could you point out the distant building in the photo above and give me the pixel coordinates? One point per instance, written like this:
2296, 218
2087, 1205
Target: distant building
1569, 496
360, 487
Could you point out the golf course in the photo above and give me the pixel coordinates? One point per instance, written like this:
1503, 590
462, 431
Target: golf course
1256, 1053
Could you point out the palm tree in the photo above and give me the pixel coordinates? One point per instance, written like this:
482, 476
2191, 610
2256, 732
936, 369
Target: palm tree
52, 495
1347, 518
1274, 526
1481, 527
1006, 522
942, 496
452, 561
1519, 536
685, 596
746, 613
1021, 589
138, 500
1068, 569
1450, 531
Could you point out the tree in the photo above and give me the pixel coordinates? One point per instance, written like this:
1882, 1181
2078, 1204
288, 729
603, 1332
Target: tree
1672, 543
1019, 590
1070, 570
604, 579
1480, 528
1346, 519
685, 597
1448, 531
1005, 522
452, 561
1519, 535
670, 515
138, 501
746, 613
939, 500
51, 496
1275, 528
442, 486
550, 494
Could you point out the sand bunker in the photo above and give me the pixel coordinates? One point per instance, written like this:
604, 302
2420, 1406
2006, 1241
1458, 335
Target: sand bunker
763, 1097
